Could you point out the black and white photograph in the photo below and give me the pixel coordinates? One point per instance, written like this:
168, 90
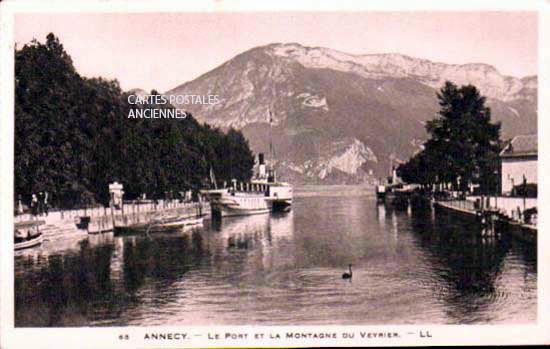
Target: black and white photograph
203, 178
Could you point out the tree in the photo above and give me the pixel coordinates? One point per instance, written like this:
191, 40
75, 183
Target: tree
464, 144
73, 137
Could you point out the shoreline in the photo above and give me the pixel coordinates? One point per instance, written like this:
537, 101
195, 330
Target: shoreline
329, 190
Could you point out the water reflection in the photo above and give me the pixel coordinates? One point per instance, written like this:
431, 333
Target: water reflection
467, 265
409, 267
71, 284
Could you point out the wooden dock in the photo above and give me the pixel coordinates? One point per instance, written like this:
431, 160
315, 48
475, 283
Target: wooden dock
136, 215
99, 219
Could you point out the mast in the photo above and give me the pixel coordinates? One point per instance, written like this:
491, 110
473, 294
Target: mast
271, 172
271, 139
391, 169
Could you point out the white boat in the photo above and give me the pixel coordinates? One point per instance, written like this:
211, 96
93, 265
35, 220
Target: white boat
262, 198
34, 241
261, 195
171, 223
380, 193
279, 194
176, 222
162, 224
228, 202
27, 234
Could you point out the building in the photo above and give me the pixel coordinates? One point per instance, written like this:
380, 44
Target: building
519, 160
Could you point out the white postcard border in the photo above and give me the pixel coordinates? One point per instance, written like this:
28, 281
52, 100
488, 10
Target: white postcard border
87, 337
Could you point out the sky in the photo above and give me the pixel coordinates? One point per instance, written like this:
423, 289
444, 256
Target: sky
163, 50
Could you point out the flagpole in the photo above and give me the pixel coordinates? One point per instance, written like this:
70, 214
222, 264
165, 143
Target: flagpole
271, 138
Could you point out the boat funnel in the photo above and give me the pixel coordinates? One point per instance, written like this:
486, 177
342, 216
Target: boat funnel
261, 166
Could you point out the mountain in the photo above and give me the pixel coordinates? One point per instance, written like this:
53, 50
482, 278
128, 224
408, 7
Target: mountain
342, 118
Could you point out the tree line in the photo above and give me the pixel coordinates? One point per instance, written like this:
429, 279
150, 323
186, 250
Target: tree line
73, 137
464, 144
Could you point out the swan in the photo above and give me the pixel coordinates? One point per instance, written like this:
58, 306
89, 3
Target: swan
347, 275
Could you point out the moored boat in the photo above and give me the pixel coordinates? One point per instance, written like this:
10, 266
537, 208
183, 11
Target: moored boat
280, 196
229, 202
262, 194
380, 193
385, 189
176, 222
182, 222
27, 234
161, 224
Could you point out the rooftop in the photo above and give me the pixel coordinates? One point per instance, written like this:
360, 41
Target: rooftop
524, 145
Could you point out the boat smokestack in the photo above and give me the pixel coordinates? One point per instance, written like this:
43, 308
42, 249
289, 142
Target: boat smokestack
261, 166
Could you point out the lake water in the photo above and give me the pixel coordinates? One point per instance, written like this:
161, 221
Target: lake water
409, 267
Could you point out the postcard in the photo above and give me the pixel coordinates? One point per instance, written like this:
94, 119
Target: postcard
285, 174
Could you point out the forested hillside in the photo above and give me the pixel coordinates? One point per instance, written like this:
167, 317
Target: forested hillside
73, 137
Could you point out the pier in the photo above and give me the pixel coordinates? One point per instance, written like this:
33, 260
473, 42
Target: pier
496, 215
102, 219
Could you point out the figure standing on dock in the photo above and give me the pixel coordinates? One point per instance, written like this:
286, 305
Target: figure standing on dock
46, 203
40, 203
34, 205
19, 205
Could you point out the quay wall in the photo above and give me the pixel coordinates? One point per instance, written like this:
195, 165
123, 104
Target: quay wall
130, 213
508, 204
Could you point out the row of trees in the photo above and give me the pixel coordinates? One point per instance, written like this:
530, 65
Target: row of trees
463, 146
73, 137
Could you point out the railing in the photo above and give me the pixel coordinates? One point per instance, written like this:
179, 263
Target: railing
101, 211
513, 208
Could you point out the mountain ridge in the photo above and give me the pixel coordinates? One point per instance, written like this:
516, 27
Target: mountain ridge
380, 63
325, 103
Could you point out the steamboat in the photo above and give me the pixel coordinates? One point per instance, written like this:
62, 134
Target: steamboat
262, 194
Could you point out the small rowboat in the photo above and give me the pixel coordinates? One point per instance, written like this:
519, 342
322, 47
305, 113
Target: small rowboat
174, 223
161, 224
33, 241
178, 222
27, 234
